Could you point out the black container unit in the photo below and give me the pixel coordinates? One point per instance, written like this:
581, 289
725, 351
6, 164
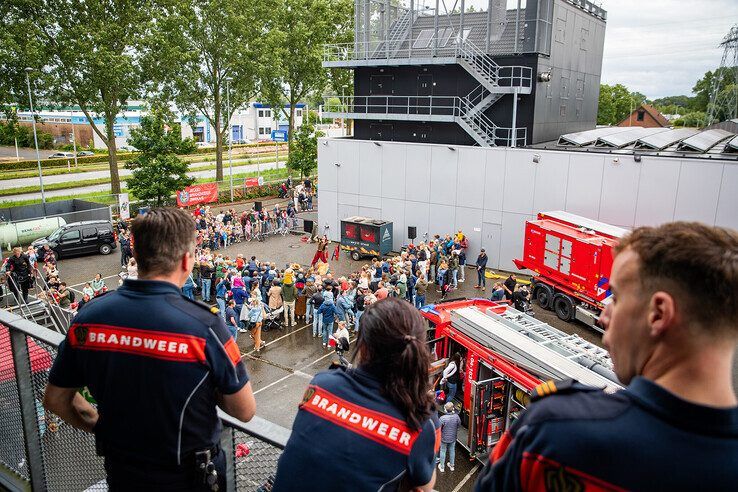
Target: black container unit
362, 236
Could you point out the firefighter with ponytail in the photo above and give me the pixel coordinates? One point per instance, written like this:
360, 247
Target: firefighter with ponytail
378, 414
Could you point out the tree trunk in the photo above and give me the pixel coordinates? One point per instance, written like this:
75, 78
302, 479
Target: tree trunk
291, 124
218, 139
112, 156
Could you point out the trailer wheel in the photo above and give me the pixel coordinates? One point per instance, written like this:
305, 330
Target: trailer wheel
564, 307
543, 295
355, 256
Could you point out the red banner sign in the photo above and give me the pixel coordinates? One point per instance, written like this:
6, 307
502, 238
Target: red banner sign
251, 182
203, 193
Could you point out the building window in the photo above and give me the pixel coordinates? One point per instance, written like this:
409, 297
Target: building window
261, 130
268, 113
261, 113
268, 130
640, 116
298, 113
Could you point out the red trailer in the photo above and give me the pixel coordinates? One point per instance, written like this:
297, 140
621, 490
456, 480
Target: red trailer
572, 259
505, 354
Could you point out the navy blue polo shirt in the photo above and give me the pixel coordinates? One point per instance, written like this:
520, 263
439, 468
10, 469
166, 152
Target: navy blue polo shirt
153, 360
640, 438
347, 436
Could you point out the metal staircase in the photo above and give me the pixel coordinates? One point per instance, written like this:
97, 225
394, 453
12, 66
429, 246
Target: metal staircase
494, 82
41, 307
397, 35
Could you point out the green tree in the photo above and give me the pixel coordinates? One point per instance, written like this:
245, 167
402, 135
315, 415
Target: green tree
616, 103
157, 171
723, 80
206, 53
90, 54
304, 154
299, 31
691, 119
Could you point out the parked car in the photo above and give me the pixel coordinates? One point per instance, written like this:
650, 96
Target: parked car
80, 238
62, 155
85, 153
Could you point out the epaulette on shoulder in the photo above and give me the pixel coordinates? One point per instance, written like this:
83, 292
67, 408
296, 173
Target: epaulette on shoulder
212, 310
561, 387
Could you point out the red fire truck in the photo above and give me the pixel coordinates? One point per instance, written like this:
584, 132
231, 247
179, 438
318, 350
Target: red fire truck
572, 259
505, 354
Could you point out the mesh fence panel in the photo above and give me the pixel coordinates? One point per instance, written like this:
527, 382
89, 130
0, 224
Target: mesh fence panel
69, 458
12, 445
255, 462
70, 461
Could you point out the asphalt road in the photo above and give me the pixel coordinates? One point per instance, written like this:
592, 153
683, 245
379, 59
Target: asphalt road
292, 356
63, 178
7, 153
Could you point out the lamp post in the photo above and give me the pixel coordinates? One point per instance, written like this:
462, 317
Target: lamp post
74, 136
230, 131
35, 138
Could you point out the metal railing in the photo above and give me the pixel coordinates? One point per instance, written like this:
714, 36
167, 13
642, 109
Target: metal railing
40, 452
451, 107
487, 68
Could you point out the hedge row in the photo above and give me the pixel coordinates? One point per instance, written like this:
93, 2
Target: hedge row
58, 162
62, 162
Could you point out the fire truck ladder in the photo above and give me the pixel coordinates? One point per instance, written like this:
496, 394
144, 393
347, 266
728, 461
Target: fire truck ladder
538, 347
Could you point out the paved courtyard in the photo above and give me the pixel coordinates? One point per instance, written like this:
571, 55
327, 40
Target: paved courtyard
292, 356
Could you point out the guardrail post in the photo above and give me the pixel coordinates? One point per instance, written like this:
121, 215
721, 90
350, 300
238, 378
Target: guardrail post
226, 443
31, 432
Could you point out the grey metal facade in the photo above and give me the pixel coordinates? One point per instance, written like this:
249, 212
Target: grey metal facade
520, 76
568, 103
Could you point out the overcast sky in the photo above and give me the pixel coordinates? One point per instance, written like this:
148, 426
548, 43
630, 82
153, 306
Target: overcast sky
661, 47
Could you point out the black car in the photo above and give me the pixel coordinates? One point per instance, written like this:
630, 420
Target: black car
79, 238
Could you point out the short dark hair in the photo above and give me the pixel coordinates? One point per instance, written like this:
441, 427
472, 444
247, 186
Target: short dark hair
696, 263
160, 238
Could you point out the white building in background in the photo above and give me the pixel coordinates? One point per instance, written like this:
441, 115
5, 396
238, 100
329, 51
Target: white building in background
489, 193
252, 123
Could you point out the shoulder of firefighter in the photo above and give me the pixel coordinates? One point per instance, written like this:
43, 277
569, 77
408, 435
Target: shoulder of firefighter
575, 437
153, 360
343, 411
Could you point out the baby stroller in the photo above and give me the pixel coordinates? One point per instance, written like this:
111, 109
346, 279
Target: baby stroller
271, 318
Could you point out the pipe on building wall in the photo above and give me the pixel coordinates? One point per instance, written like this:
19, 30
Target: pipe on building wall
435, 30
412, 20
489, 26
387, 17
517, 27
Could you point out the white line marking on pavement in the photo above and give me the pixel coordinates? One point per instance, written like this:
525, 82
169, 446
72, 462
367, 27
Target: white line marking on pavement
298, 372
277, 339
467, 477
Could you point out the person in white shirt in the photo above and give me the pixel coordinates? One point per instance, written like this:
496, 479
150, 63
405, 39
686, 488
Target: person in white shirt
451, 376
341, 332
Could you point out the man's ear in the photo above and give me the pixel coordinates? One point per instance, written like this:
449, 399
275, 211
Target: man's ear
662, 313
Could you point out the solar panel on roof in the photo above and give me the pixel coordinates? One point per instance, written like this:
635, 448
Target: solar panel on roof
619, 140
732, 146
423, 39
588, 137
704, 141
443, 36
661, 141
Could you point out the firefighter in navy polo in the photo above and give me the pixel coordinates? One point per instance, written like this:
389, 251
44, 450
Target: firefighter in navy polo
671, 331
371, 427
157, 364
